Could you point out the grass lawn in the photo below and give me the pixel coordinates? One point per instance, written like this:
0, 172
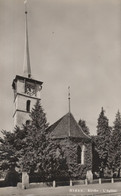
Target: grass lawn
81, 190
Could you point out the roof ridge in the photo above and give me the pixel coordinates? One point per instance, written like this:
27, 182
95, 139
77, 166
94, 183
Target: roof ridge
56, 123
69, 123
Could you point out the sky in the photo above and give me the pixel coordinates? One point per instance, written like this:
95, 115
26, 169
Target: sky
74, 43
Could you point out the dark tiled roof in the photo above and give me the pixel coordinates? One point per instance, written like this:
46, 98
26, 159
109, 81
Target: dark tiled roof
67, 127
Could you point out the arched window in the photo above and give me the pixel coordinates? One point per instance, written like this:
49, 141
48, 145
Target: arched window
79, 152
28, 122
28, 105
83, 155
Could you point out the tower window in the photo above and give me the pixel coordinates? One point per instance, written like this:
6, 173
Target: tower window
28, 105
79, 152
28, 122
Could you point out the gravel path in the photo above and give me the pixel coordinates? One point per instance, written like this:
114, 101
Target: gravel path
83, 190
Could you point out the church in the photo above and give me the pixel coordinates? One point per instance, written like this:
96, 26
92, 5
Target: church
77, 146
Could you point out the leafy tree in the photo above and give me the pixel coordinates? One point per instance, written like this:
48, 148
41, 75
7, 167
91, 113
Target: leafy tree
8, 158
103, 139
82, 124
31, 149
114, 159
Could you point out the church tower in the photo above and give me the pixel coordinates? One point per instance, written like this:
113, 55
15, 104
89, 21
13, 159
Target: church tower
26, 89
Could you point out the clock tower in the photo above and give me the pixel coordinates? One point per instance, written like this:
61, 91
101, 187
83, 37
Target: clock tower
26, 89
26, 92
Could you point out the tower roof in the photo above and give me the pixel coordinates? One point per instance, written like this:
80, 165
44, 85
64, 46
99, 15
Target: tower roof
26, 65
67, 127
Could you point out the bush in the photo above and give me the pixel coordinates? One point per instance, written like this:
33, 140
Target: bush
12, 178
2, 183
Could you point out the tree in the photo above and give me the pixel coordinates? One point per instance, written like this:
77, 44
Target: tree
114, 158
35, 140
95, 158
103, 139
8, 158
46, 155
54, 163
32, 149
82, 124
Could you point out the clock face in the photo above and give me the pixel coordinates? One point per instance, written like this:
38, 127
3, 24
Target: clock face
30, 89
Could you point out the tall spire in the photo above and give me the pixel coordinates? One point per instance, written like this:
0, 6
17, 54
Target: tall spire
26, 66
69, 99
